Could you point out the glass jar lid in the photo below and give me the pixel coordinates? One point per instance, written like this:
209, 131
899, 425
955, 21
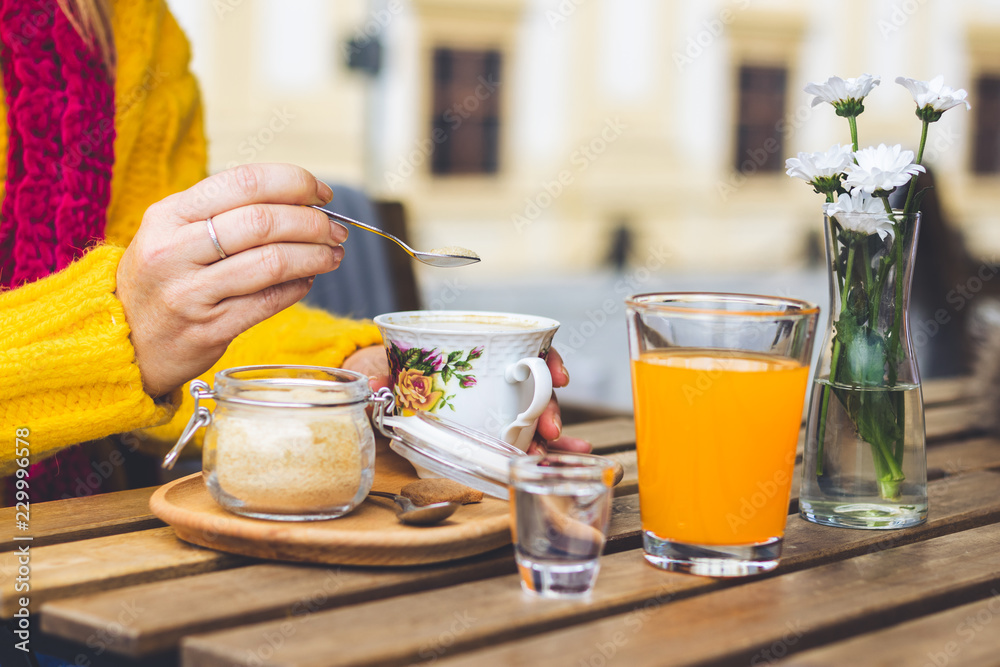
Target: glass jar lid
274, 386
441, 446
287, 386
447, 448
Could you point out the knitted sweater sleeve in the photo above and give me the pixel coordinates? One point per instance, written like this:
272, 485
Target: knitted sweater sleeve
299, 335
67, 367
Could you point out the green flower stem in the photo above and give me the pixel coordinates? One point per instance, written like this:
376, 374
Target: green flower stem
923, 142
886, 467
883, 273
853, 122
869, 283
895, 472
900, 405
895, 343
825, 407
847, 277
893, 455
831, 197
920, 157
834, 361
887, 470
897, 316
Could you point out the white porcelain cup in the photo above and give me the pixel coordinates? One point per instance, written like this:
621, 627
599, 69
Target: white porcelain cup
483, 370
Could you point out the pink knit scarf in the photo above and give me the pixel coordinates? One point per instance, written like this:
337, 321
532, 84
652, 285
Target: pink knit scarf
61, 102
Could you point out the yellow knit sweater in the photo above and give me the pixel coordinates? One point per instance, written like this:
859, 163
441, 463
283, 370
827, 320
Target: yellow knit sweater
67, 366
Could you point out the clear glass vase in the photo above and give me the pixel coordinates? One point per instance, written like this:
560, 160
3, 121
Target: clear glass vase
864, 464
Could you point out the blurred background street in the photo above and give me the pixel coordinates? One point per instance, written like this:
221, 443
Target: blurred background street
588, 149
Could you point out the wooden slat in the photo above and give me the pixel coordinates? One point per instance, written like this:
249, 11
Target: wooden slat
257, 592
94, 653
960, 457
81, 518
629, 483
954, 458
606, 435
966, 635
500, 611
169, 610
104, 563
625, 527
953, 421
762, 620
941, 391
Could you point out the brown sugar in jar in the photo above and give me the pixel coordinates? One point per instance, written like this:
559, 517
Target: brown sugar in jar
289, 443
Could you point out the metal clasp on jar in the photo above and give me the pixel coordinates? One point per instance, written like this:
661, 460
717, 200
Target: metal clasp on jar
384, 403
382, 400
201, 416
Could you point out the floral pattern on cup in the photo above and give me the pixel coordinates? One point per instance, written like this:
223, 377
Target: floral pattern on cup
420, 377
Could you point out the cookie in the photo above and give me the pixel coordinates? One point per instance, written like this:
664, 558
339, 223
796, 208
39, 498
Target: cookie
440, 490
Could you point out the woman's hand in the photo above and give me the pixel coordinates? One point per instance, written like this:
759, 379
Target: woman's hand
549, 435
184, 302
370, 361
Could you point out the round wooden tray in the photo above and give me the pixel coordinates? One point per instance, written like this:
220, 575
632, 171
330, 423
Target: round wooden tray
370, 535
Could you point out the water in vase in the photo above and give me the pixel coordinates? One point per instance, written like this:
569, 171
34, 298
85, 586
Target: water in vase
864, 464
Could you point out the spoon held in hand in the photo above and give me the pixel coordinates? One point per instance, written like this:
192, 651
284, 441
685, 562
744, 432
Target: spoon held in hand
454, 256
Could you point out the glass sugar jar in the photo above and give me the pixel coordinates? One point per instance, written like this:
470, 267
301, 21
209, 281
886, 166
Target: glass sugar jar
290, 443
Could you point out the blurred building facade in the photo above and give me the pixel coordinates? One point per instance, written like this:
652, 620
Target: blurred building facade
530, 129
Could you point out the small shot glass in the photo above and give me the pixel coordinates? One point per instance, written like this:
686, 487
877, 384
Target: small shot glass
560, 506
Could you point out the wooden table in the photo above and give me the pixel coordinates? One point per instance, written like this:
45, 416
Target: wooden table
111, 585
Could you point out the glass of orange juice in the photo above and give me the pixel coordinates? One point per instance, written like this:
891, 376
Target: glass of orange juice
718, 385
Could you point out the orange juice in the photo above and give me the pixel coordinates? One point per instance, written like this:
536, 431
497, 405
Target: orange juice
715, 436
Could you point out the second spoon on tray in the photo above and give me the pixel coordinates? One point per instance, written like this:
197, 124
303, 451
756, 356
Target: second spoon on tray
417, 515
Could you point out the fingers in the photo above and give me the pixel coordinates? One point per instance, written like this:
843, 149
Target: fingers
377, 382
249, 184
256, 269
183, 303
242, 312
570, 444
370, 361
257, 225
560, 376
549, 435
565, 444
550, 421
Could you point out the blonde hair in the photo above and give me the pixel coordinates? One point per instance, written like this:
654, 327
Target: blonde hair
92, 20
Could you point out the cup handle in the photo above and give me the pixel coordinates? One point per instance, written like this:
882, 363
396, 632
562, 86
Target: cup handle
519, 372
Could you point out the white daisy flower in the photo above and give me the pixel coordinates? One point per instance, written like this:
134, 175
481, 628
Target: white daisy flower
811, 166
933, 98
860, 212
845, 95
881, 169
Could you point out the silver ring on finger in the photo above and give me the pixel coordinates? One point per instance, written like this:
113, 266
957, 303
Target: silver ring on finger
214, 237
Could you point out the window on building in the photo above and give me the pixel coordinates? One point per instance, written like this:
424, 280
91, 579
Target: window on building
466, 113
761, 107
986, 136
